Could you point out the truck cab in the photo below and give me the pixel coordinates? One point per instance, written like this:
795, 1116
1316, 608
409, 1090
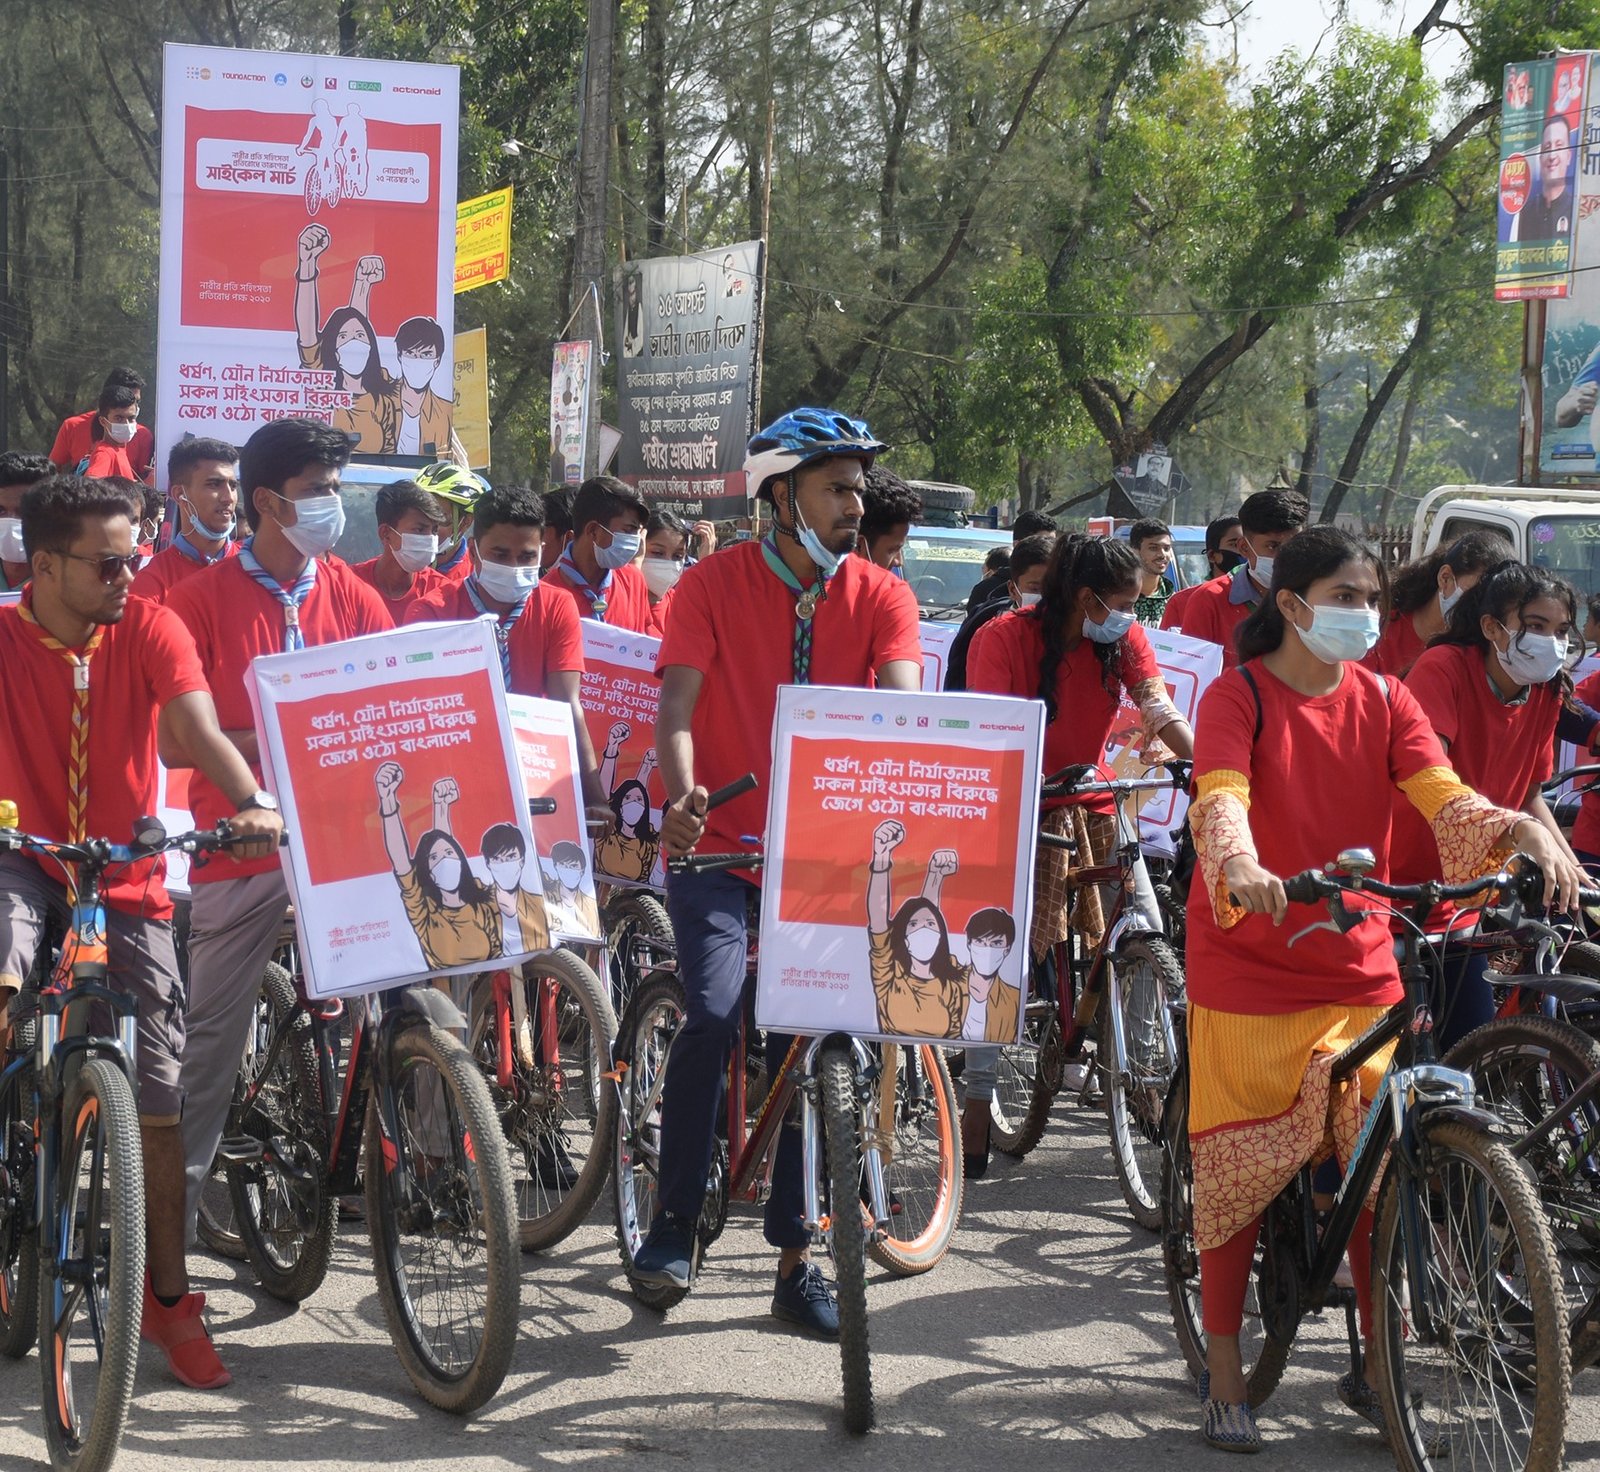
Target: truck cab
1554, 527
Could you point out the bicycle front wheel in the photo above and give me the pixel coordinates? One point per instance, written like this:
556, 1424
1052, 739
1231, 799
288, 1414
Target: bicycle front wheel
1145, 978
638, 934
19, 1238
922, 1170
443, 1221
847, 1238
1482, 1379
89, 1309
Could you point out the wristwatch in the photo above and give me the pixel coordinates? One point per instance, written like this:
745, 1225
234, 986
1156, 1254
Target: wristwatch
264, 800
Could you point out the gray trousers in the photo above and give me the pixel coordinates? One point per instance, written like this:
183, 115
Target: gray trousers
234, 929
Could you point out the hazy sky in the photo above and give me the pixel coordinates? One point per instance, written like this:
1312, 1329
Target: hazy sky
1270, 26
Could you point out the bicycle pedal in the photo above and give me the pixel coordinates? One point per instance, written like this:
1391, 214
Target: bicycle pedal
240, 1150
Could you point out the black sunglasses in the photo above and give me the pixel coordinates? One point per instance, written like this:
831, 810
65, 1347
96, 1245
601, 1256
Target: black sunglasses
110, 568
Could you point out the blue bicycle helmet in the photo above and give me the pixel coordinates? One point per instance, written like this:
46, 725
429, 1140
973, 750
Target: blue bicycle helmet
804, 435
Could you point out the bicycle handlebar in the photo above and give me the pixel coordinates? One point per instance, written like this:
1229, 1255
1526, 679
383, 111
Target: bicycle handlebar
1072, 781
102, 853
1570, 775
1527, 884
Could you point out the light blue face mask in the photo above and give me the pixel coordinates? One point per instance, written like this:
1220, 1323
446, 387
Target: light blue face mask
1112, 628
623, 549
827, 562
318, 524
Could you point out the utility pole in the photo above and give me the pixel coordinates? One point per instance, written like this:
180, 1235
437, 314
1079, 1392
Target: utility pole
5, 298
594, 175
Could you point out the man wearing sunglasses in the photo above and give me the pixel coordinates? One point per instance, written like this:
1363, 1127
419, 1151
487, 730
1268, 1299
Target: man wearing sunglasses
88, 671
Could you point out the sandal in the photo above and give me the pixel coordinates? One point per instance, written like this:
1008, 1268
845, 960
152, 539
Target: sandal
1231, 1428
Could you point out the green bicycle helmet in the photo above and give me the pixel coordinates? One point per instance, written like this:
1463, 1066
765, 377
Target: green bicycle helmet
451, 483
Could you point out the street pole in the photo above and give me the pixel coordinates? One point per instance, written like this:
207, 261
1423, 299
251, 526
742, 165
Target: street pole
594, 174
5, 299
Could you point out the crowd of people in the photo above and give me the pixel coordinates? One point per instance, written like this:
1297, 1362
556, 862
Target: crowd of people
1413, 715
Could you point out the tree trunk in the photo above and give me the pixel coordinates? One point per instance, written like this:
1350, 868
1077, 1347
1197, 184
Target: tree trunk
1402, 449
347, 27
655, 121
1309, 456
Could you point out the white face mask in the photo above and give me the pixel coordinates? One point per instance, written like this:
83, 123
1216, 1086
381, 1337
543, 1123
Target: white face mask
1116, 623
661, 575
987, 959
1262, 571
215, 534
1532, 659
1028, 600
447, 874
623, 549
632, 812
354, 355
121, 434
570, 876
506, 873
11, 549
416, 551
1340, 634
1448, 601
507, 584
318, 524
923, 944
418, 372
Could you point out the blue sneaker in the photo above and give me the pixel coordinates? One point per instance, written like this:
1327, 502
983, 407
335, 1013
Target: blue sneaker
665, 1258
804, 1298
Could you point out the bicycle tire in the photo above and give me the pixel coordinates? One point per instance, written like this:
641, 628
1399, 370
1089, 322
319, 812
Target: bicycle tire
19, 1280
644, 1042
464, 1195
1555, 1058
841, 1128
1416, 1417
555, 1115
99, 1116
215, 1223
284, 1215
1264, 1358
924, 1165
1135, 1122
632, 915
1023, 1095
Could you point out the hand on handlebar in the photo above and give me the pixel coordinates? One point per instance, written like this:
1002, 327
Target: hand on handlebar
1254, 890
683, 822
1563, 877
254, 834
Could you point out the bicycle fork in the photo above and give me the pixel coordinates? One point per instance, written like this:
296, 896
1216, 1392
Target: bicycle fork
813, 1171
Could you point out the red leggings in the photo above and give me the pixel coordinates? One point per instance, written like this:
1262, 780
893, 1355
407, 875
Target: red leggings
1225, 1276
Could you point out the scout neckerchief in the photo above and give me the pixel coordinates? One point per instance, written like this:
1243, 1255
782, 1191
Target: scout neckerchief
290, 598
596, 597
806, 600
186, 548
78, 745
503, 623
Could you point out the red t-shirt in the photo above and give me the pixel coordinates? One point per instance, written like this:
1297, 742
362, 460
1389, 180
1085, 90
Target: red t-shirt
733, 620
106, 459
1498, 750
1586, 830
1172, 614
1212, 615
1397, 649
233, 619
1004, 659
627, 599
163, 572
423, 586
143, 662
544, 640
73, 442
1321, 778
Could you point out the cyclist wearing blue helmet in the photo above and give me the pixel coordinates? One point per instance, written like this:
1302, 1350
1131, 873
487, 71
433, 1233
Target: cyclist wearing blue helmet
793, 608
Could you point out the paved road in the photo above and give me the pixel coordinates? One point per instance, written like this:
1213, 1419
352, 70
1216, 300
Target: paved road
1044, 1336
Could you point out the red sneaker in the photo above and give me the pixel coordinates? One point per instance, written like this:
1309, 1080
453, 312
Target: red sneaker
180, 1333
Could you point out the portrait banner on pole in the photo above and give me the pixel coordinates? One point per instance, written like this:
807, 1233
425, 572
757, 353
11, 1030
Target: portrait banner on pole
1542, 112
483, 239
569, 411
410, 852
898, 887
308, 209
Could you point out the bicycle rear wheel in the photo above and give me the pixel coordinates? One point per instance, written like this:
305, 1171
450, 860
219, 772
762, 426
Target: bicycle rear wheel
89, 1309
443, 1222
1145, 978
841, 1125
1028, 1080
557, 1112
1486, 1383
922, 1162
638, 934
19, 1238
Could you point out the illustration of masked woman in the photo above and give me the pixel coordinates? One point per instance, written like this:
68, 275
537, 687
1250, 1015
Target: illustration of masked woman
456, 918
920, 990
629, 851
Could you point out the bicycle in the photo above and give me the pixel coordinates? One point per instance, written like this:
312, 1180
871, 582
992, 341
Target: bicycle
1470, 1355
324, 179
72, 1231
412, 1116
1128, 984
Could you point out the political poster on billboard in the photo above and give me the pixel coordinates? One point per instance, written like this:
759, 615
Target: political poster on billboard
308, 219
410, 852
1570, 354
1541, 114
569, 411
898, 888
687, 333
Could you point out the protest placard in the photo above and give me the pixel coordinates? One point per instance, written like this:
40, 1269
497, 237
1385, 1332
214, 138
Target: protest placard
410, 852
899, 882
172, 807
620, 696
936, 641
547, 753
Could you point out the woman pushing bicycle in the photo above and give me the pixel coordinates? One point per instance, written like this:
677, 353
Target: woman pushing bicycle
1297, 754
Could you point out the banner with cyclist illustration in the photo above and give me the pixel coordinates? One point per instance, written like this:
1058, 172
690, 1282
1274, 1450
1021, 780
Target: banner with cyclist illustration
1188, 666
410, 852
900, 842
547, 753
308, 225
620, 696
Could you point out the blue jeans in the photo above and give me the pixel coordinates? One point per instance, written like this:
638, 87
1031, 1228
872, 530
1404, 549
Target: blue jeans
708, 919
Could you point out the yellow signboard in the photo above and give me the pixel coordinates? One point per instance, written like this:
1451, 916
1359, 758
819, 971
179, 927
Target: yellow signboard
483, 239
471, 422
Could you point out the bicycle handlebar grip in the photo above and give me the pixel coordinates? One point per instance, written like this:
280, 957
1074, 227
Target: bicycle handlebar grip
1303, 889
736, 788
541, 807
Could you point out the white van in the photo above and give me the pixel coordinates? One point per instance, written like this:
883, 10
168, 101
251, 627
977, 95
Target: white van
1556, 527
